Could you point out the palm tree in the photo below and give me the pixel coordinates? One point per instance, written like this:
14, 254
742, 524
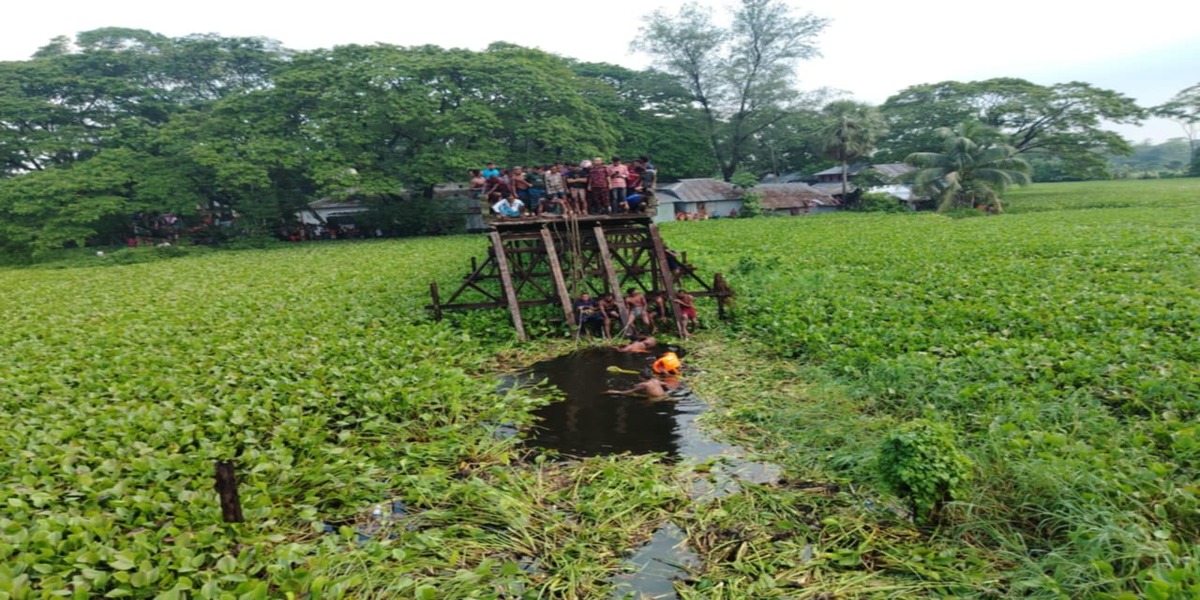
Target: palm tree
850, 133
971, 170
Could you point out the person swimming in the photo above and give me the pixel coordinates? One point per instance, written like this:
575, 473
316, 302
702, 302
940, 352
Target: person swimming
648, 387
642, 344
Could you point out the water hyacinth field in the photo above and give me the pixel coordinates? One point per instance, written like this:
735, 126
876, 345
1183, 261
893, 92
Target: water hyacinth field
1056, 347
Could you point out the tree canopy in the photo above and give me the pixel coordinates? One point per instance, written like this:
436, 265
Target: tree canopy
740, 77
1062, 121
973, 168
118, 121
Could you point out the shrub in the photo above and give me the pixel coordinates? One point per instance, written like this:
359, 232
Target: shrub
920, 462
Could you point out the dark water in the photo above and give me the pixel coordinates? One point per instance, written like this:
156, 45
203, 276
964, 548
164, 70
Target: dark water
589, 422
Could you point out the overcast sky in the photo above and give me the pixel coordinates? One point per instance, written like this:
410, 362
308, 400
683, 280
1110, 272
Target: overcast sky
1149, 50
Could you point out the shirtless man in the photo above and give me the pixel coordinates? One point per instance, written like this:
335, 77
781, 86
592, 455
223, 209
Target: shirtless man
643, 343
637, 305
608, 307
649, 387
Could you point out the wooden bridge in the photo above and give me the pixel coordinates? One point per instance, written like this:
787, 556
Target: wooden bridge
547, 261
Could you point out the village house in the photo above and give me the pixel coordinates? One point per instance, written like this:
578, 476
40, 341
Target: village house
795, 199
718, 199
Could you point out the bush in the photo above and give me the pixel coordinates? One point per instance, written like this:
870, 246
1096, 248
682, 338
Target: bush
920, 462
751, 205
879, 202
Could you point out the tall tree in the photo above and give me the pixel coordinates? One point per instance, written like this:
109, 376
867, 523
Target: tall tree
969, 170
739, 76
1064, 121
1184, 108
850, 133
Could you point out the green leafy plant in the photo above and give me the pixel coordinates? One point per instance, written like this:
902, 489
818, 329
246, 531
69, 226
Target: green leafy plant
920, 462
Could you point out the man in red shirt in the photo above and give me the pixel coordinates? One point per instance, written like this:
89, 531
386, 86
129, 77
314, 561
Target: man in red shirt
598, 187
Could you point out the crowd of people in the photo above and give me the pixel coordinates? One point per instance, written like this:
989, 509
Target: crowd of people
596, 316
591, 187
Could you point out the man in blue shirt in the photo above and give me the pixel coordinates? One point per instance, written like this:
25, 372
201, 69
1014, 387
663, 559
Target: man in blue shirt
491, 171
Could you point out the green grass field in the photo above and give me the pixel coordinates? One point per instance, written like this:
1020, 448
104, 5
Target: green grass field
1059, 341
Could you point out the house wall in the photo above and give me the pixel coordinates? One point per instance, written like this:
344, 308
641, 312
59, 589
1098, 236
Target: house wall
716, 209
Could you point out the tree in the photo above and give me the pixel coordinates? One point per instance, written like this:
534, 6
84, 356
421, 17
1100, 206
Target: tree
1063, 121
740, 77
851, 131
1184, 108
968, 172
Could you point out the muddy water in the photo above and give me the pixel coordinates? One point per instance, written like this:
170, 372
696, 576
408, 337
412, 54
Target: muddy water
588, 422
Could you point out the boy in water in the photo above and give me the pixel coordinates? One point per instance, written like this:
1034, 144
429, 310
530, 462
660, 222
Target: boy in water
649, 387
643, 344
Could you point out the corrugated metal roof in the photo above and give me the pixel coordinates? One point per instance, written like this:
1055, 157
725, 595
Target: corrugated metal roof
833, 188
701, 190
893, 170
784, 196
853, 170
332, 203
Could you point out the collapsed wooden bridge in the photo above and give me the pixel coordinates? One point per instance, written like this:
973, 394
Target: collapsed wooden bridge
548, 261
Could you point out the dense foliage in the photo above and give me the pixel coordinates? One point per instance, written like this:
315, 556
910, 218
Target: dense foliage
1062, 124
317, 373
1060, 341
125, 121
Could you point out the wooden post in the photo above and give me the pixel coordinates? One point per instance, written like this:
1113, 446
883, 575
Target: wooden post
226, 486
660, 254
510, 293
560, 284
611, 274
722, 290
437, 301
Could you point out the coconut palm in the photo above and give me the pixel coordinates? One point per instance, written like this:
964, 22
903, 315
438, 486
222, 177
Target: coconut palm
851, 132
971, 170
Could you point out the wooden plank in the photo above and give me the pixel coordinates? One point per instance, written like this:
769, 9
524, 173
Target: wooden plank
613, 283
560, 284
510, 293
660, 254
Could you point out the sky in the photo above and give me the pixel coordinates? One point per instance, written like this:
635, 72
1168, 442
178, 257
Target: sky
1148, 50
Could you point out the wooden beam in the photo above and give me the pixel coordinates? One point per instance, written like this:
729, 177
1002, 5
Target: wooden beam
437, 301
660, 254
510, 293
613, 283
560, 284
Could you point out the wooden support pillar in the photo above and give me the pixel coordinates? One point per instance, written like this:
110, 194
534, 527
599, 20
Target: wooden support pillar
437, 301
610, 273
510, 293
560, 284
668, 279
723, 292
226, 486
